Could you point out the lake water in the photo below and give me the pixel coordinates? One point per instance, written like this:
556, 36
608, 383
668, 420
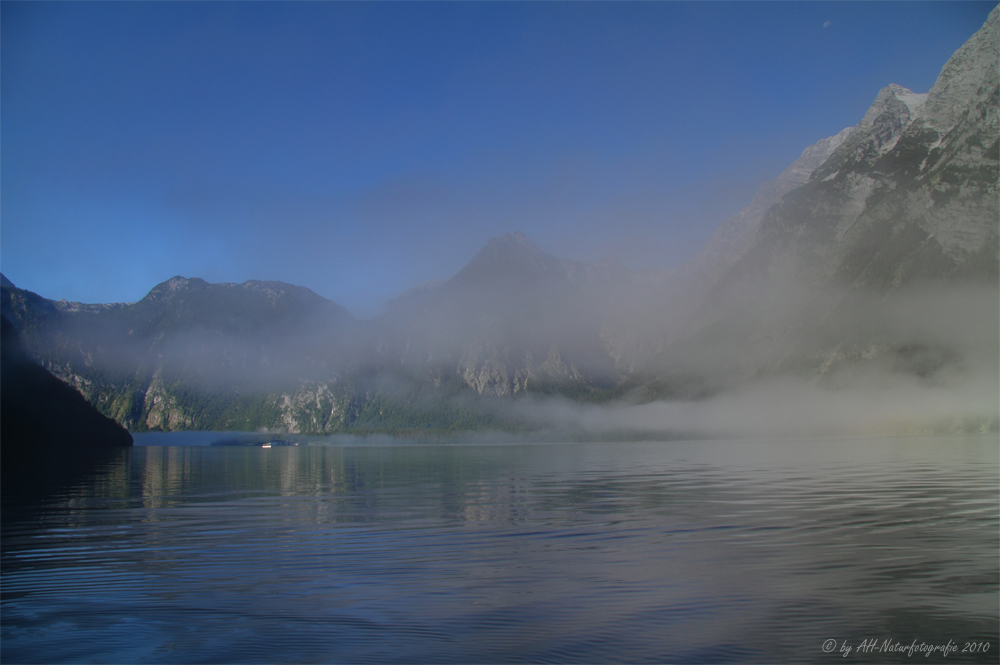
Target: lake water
687, 552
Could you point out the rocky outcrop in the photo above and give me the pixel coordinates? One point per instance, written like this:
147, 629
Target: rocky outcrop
313, 409
161, 409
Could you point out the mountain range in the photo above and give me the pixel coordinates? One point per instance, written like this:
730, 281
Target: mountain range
878, 249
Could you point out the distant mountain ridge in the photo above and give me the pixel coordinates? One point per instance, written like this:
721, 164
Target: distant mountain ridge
818, 276
184, 334
513, 317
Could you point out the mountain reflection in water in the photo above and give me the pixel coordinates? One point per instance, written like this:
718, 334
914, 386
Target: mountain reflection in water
709, 551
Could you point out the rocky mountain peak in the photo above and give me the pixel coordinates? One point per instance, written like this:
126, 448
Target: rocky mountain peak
893, 110
182, 303
913, 100
515, 238
890, 113
269, 290
894, 99
512, 256
170, 288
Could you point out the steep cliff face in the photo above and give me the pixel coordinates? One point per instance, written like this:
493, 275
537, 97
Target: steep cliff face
314, 408
911, 194
903, 210
161, 410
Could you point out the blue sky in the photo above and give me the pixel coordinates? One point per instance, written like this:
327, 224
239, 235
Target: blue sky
362, 148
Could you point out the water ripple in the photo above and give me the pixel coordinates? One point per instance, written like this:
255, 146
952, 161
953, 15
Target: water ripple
647, 552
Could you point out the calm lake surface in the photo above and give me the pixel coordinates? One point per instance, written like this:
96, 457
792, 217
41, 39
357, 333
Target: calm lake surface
706, 551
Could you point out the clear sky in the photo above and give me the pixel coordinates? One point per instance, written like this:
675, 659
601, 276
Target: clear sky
362, 148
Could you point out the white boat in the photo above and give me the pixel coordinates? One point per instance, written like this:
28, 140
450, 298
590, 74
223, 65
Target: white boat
266, 445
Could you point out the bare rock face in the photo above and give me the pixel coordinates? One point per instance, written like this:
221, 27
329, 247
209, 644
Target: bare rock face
803, 232
909, 198
910, 194
162, 411
970, 75
485, 371
889, 115
313, 408
662, 310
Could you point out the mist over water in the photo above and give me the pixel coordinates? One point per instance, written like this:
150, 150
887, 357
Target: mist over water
579, 356
778, 451
924, 358
793, 361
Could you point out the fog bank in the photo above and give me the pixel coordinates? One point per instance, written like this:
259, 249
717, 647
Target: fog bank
791, 407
